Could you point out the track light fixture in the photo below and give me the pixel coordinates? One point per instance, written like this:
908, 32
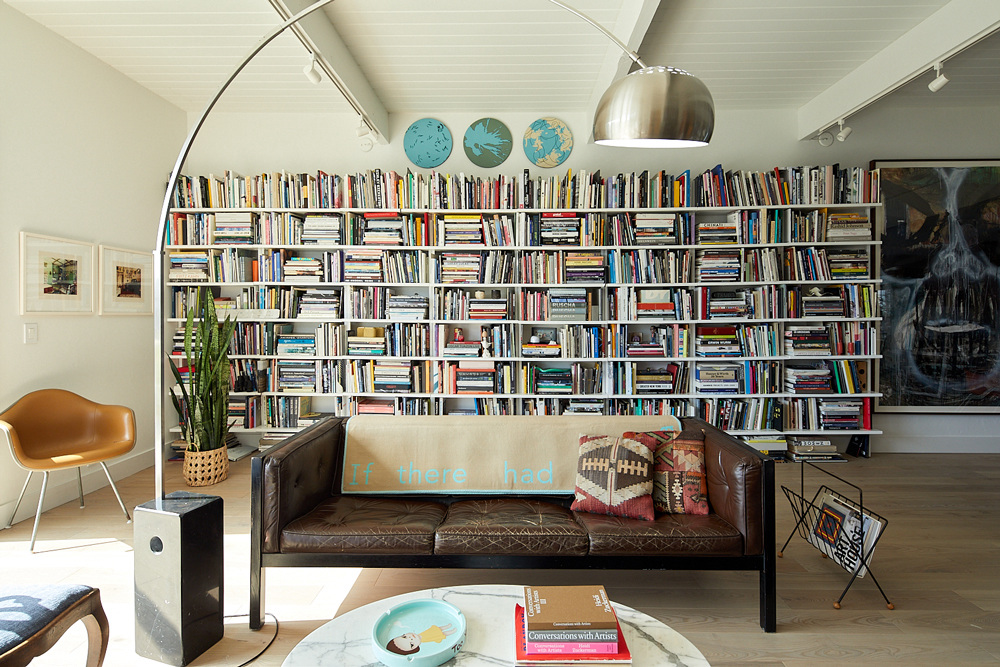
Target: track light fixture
312, 70
940, 80
845, 131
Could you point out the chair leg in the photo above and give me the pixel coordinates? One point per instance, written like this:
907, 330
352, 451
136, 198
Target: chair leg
115, 489
79, 483
97, 635
10, 521
38, 513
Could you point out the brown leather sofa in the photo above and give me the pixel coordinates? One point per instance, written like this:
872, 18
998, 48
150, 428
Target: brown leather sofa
300, 518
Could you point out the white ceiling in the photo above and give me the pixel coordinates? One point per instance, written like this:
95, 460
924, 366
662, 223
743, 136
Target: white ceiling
824, 58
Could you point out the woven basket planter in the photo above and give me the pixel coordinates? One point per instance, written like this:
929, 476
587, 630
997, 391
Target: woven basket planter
206, 468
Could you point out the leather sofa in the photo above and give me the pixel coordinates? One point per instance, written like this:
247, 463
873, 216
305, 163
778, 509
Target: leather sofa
301, 516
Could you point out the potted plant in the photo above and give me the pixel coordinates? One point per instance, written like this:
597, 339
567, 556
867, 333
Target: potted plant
203, 408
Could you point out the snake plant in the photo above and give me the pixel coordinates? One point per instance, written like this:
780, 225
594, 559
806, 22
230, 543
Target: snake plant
204, 409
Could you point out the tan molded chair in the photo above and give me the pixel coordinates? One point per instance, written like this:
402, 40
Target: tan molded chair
53, 429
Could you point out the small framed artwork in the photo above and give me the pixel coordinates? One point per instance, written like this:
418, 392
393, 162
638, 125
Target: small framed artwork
57, 275
544, 334
126, 282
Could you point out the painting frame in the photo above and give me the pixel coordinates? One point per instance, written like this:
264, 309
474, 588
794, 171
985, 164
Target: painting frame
57, 275
126, 281
939, 265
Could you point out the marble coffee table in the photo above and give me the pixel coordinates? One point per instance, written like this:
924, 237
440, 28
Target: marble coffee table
489, 610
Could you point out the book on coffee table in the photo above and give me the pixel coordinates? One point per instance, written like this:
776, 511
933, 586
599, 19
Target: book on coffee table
524, 659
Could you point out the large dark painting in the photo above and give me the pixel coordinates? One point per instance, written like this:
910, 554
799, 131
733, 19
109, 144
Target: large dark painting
940, 331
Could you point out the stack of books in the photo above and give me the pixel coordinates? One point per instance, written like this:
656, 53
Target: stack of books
807, 340
848, 264
321, 230
302, 269
552, 380
823, 302
383, 228
567, 625
814, 379
560, 228
296, 344
392, 376
584, 406
657, 304
462, 348
585, 267
362, 265
812, 449
654, 380
366, 342
296, 375
474, 377
463, 228
376, 406
487, 309
234, 227
842, 414
188, 266
567, 303
655, 229
460, 267
718, 266
729, 304
717, 231
721, 341
848, 226
551, 349
319, 303
403, 307
717, 378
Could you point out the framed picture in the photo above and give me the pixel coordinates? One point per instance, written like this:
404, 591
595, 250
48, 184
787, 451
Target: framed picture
545, 334
126, 282
940, 268
57, 275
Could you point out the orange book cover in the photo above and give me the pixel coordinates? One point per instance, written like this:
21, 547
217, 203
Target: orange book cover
564, 607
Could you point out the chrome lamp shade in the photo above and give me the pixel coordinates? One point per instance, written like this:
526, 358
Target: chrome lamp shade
655, 107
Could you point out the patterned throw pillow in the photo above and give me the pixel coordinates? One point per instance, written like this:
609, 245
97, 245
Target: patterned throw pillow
679, 482
614, 476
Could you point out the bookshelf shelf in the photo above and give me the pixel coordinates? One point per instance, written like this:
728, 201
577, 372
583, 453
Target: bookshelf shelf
630, 289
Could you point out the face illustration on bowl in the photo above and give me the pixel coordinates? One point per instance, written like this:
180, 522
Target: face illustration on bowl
409, 643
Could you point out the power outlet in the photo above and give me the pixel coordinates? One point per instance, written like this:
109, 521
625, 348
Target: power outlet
30, 333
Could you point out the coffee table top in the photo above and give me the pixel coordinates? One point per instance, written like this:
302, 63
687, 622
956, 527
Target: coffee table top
489, 610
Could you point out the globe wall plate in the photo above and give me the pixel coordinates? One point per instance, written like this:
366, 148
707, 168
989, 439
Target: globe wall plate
427, 142
487, 142
548, 142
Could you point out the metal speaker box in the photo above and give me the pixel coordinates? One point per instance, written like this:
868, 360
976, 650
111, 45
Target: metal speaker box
178, 577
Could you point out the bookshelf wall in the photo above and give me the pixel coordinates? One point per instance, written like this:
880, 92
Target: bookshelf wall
749, 299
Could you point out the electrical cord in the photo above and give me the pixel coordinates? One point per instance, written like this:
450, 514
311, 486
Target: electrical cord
263, 650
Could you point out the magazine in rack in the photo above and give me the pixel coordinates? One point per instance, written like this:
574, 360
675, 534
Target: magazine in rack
843, 532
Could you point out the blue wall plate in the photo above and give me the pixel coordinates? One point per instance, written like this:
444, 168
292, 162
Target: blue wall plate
488, 142
548, 142
427, 142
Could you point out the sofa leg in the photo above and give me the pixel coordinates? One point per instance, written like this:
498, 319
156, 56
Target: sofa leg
768, 600
256, 596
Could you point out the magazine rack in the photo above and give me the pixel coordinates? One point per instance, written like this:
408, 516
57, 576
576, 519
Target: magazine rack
839, 527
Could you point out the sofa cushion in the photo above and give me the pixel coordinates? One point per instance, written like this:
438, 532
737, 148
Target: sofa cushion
679, 481
516, 526
614, 476
668, 535
349, 524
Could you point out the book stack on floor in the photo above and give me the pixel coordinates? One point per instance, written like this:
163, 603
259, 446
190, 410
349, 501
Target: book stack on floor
812, 449
560, 625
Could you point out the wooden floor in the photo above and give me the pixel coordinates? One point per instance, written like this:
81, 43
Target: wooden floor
938, 561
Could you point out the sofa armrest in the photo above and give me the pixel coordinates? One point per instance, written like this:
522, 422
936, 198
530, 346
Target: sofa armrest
738, 477
292, 478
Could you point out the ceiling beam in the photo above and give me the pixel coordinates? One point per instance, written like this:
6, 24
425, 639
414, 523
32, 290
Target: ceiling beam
320, 37
631, 27
945, 33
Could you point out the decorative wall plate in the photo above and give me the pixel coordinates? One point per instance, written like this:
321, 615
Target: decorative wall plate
548, 142
487, 142
427, 142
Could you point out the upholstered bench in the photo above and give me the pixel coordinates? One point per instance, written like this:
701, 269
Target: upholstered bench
34, 617
506, 492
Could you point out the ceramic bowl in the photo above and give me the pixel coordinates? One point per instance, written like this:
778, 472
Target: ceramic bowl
435, 628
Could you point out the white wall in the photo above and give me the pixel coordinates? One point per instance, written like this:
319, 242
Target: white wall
84, 154
743, 140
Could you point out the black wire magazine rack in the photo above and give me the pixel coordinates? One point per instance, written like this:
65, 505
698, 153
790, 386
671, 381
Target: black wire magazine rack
839, 527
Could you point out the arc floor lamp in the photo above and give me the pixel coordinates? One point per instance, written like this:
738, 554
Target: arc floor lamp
652, 107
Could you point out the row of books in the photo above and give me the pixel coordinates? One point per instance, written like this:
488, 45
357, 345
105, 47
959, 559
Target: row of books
380, 189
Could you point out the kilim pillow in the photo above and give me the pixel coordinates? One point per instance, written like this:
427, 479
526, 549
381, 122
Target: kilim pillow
679, 482
614, 476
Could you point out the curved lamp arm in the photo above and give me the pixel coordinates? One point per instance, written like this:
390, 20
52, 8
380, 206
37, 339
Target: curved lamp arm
159, 321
